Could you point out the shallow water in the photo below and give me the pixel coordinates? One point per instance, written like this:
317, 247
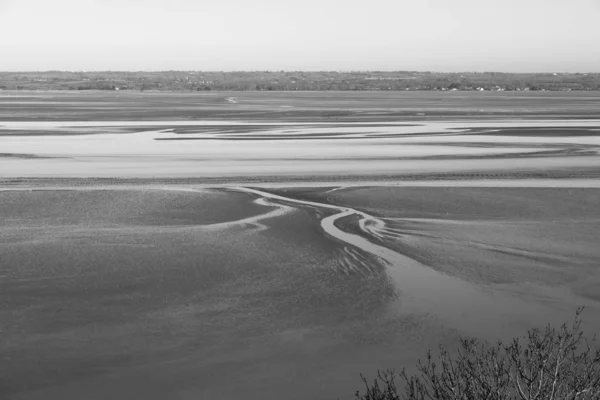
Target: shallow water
355, 149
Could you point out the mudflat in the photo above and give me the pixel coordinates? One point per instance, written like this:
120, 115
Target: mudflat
185, 246
99, 298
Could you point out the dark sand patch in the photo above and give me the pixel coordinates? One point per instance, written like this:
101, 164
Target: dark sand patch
125, 207
74, 131
575, 151
25, 156
294, 180
166, 312
225, 129
466, 203
535, 131
309, 136
306, 106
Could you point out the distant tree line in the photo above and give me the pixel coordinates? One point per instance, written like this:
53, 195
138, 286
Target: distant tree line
295, 80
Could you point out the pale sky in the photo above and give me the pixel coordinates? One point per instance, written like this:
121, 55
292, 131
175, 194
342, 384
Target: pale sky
438, 35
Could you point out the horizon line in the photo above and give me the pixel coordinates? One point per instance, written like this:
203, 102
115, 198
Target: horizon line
299, 70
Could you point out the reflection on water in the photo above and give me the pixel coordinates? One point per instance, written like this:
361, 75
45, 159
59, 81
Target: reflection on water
155, 148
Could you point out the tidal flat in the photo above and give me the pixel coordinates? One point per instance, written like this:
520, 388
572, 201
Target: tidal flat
188, 247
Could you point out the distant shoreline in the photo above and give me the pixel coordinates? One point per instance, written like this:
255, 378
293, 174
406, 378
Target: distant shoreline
194, 81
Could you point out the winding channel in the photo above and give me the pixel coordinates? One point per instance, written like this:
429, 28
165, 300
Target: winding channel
369, 224
421, 289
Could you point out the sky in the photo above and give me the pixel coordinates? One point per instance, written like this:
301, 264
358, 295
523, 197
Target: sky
428, 35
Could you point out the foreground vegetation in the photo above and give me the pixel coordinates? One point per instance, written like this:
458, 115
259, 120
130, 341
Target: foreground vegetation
549, 364
295, 80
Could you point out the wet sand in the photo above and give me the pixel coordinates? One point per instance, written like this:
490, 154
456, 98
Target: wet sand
159, 304
92, 309
326, 151
185, 246
296, 106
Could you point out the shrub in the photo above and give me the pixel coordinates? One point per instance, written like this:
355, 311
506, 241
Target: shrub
549, 364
